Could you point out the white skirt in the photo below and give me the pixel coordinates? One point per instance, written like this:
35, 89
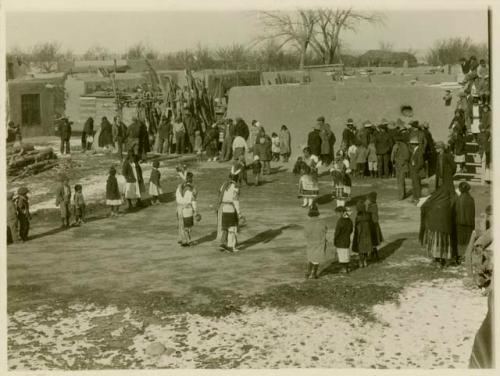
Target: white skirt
474, 128
460, 158
344, 255
132, 191
113, 202
154, 190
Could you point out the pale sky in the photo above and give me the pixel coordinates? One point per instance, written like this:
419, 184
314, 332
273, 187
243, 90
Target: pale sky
169, 31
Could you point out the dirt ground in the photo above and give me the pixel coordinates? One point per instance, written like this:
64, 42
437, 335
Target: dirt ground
120, 293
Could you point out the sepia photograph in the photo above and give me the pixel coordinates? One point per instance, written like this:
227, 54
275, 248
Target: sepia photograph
297, 187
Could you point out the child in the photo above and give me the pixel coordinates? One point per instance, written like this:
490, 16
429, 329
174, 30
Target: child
113, 196
315, 233
154, 184
457, 144
351, 155
275, 147
308, 187
198, 145
63, 200
361, 157
465, 211
372, 159
372, 208
12, 225
23, 213
239, 169
341, 180
362, 240
342, 237
79, 205
447, 98
256, 169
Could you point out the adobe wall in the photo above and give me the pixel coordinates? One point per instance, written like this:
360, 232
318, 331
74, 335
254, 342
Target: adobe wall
298, 106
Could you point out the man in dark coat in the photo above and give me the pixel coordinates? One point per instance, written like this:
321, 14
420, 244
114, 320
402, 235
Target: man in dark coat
314, 141
164, 135
119, 135
348, 135
400, 158
445, 167
416, 134
65, 134
416, 169
191, 126
383, 146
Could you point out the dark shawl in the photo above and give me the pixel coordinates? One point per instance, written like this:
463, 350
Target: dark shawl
465, 210
436, 212
343, 231
112, 191
362, 241
106, 135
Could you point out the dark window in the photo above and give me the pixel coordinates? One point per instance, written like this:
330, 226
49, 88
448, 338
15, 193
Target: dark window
30, 107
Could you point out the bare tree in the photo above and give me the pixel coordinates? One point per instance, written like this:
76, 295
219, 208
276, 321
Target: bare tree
232, 56
331, 22
46, 56
97, 53
140, 51
385, 46
296, 28
449, 51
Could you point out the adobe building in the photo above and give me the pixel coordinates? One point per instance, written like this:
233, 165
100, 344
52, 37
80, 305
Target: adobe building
35, 103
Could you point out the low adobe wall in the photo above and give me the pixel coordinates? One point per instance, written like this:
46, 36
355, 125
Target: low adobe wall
298, 106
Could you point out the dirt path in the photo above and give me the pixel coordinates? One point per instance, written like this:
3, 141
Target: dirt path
108, 290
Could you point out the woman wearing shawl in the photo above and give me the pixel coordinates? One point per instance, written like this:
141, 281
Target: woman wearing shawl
106, 135
187, 209
362, 240
228, 214
134, 183
88, 134
436, 225
465, 219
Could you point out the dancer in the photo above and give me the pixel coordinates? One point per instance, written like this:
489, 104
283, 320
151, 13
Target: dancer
185, 196
308, 186
341, 181
228, 214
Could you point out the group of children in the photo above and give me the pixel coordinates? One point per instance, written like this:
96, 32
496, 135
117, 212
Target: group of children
66, 201
307, 168
359, 155
365, 232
